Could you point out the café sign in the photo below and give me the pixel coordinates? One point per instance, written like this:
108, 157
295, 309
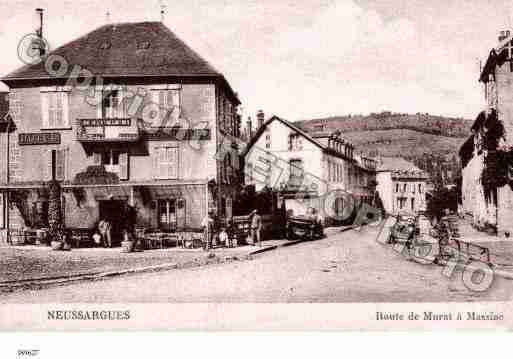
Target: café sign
178, 134
102, 122
45, 138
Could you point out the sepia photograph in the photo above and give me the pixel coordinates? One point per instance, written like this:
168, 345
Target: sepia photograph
265, 165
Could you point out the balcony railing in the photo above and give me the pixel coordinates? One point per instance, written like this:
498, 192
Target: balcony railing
107, 130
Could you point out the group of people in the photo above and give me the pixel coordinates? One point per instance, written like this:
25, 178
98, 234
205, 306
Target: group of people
211, 234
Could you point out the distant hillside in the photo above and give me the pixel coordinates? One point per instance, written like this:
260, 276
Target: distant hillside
426, 123
431, 142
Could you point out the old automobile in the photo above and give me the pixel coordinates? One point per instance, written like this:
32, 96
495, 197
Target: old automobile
403, 230
304, 227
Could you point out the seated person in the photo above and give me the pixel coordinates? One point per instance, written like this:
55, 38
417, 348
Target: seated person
97, 239
223, 237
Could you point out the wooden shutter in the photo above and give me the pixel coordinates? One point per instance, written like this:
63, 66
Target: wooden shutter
2, 211
98, 94
172, 162
173, 103
60, 167
156, 161
123, 165
45, 109
48, 164
65, 109
181, 213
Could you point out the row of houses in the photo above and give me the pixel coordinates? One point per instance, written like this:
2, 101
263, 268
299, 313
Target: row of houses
129, 116
323, 170
487, 195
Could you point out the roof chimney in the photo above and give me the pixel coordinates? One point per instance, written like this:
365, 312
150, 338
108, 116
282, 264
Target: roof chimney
162, 12
503, 35
260, 118
39, 32
249, 129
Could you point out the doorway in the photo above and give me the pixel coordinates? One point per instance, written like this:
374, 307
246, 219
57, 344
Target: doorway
114, 212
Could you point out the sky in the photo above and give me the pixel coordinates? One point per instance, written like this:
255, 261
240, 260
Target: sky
306, 59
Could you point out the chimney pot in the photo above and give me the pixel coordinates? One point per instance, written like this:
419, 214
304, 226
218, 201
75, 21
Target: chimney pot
260, 118
504, 34
249, 128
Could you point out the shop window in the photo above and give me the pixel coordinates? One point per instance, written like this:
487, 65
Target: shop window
167, 220
40, 214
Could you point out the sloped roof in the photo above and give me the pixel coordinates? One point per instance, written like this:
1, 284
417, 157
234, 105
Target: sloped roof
262, 128
126, 50
294, 128
4, 104
398, 165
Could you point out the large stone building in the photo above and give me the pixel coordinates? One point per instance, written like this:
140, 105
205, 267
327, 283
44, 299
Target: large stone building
312, 166
487, 194
130, 103
4, 127
401, 186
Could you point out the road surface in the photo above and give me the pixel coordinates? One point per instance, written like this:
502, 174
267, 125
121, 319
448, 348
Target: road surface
345, 267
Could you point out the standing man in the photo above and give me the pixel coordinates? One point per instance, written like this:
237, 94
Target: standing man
208, 230
104, 228
256, 228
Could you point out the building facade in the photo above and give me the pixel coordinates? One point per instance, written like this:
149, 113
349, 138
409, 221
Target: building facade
5, 126
313, 166
401, 186
130, 103
487, 194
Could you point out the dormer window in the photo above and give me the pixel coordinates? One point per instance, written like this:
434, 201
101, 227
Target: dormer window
143, 45
105, 45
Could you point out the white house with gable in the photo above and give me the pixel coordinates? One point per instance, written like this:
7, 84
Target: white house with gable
306, 167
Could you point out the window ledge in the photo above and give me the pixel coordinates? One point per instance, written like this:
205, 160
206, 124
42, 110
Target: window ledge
56, 128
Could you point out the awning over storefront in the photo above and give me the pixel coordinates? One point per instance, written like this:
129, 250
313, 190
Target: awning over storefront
126, 190
21, 185
168, 183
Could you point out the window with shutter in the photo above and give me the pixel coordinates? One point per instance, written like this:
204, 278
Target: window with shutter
112, 104
54, 109
168, 101
166, 162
